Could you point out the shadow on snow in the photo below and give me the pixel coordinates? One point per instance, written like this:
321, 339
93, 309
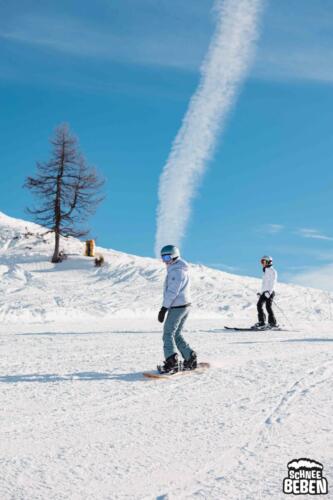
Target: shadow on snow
71, 377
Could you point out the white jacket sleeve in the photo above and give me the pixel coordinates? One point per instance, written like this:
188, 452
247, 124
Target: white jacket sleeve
269, 280
174, 283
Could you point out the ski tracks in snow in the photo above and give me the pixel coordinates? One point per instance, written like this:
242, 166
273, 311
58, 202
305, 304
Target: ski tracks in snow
311, 381
82, 419
292, 415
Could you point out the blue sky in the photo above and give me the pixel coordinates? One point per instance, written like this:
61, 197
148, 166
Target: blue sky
121, 73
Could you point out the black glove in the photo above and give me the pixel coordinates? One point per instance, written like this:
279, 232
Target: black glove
161, 314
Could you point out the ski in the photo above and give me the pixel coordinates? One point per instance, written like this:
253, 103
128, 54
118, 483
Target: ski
249, 329
156, 375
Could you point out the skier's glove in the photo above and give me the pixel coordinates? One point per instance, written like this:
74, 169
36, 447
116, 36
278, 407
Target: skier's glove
258, 294
267, 295
161, 314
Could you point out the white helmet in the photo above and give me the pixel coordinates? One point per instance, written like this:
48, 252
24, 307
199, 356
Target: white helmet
267, 260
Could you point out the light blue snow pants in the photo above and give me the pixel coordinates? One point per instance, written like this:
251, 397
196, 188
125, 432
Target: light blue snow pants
172, 333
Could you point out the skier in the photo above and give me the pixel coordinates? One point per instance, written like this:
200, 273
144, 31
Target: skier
176, 302
267, 294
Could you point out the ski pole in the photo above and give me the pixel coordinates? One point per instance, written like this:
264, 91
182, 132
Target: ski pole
282, 311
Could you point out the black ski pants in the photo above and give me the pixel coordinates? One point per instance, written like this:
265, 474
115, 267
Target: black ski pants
268, 302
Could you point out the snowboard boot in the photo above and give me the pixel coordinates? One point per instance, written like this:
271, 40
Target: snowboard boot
191, 363
170, 365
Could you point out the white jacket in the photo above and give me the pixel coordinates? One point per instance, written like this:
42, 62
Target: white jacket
269, 280
177, 285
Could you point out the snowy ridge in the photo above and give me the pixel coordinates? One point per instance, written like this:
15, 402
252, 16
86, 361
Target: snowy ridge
34, 289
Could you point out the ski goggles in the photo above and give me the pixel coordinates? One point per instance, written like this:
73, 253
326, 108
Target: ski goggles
167, 258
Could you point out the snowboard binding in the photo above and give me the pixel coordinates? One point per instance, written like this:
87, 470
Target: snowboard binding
170, 365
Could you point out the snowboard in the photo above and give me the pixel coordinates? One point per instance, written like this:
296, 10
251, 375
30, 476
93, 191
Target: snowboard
164, 376
236, 329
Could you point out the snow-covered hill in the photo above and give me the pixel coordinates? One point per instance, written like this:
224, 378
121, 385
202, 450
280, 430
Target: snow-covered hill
79, 420
32, 289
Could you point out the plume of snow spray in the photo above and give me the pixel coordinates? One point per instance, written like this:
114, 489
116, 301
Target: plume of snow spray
222, 72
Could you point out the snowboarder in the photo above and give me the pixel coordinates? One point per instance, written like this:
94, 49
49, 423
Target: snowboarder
176, 304
267, 294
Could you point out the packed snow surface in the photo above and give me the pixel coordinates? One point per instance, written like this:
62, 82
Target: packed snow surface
78, 419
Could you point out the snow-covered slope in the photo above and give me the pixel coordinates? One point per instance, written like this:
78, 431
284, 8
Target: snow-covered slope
33, 289
79, 420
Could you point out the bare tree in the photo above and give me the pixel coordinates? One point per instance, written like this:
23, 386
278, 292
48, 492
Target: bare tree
69, 190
